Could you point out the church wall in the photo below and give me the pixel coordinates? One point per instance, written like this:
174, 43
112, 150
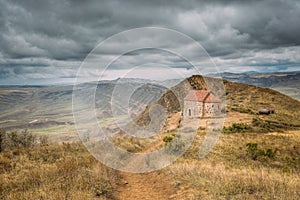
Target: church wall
194, 109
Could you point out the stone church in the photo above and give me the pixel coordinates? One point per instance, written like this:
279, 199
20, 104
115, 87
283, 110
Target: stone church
201, 103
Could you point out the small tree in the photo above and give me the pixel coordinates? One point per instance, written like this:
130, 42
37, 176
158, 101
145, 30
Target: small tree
2, 139
27, 139
11, 140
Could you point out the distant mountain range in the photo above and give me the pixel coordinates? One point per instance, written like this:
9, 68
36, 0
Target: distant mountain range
46, 108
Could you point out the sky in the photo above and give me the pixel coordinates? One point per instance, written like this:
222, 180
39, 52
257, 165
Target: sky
46, 42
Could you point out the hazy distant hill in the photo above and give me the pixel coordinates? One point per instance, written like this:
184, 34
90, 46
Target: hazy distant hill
47, 106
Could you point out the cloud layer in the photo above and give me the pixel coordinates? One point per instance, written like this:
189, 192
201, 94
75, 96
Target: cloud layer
46, 41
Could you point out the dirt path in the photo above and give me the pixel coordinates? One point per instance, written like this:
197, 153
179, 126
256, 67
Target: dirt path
145, 186
152, 186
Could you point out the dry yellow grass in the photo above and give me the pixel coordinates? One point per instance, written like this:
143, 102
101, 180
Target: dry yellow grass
210, 180
229, 173
68, 171
65, 171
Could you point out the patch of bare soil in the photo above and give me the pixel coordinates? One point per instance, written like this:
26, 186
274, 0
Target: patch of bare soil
152, 186
236, 117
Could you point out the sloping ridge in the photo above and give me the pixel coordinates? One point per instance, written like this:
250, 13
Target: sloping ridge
239, 96
249, 98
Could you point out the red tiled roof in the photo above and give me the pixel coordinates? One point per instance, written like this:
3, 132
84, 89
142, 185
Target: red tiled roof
212, 99
202, 96
196, 95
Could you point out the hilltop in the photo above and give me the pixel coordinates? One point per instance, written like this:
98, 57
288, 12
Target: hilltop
242, 103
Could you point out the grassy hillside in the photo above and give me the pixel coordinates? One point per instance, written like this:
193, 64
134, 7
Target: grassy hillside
65, 171
249, 99
242, 165
284, 82
231, 171
243, 102
240, 98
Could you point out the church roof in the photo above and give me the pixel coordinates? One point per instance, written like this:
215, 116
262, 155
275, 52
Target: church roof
202, 96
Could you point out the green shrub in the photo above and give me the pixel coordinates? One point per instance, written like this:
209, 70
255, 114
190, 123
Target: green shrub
12, 140
237, 128
168, 139
251, 147
103, 188
174, 144
270, 153
254, 152
261, 126
2, 139
264, 126
243, 110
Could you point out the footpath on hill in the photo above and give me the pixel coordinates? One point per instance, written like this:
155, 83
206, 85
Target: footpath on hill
146, 186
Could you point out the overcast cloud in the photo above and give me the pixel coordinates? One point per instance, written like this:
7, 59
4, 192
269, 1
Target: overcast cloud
44, 42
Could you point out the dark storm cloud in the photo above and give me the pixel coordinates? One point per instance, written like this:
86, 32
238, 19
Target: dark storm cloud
271, 23
4, 72
68, 30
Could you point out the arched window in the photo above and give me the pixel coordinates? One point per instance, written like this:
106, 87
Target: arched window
190, 112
